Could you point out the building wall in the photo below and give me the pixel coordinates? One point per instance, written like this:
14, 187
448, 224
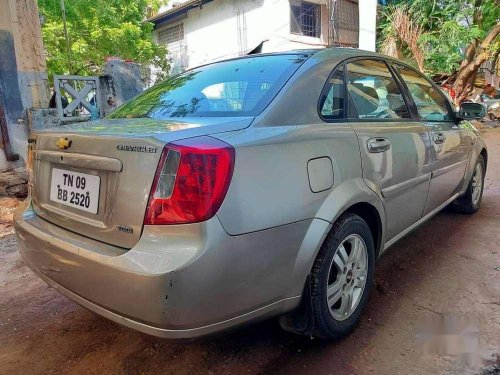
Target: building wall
229, 28
367, 24
23, 77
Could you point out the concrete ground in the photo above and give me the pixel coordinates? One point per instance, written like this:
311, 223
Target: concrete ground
449, 267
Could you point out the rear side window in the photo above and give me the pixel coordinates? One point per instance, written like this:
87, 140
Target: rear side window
332, 97
241, 87
431, 105
374, 92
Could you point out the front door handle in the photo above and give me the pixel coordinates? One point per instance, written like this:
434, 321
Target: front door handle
438, 138
376, 145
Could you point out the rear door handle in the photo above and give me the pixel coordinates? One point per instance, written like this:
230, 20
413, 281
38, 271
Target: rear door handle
438, 138
376, 145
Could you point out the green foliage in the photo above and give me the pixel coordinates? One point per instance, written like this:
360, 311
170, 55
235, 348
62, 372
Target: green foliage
444, 49
98, 29
448, 28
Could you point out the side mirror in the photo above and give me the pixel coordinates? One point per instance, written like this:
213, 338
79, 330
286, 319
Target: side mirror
472, 111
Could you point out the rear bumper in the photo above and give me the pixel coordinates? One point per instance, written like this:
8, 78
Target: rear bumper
177, 282
191, 333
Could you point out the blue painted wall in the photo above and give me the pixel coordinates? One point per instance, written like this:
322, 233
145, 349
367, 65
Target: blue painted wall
9, 78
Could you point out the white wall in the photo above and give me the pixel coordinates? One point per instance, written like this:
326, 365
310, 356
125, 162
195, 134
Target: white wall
229, 28
367, 24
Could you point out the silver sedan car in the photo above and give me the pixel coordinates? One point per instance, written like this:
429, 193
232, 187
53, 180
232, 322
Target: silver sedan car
260, 186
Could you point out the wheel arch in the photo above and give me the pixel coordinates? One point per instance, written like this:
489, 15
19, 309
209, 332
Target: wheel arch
479, 149
484, 154
368, 207
357, 197
371, 216
351, 196
299, 319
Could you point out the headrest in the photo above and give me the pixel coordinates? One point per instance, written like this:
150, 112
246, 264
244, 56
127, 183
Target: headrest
392, 88
365, 99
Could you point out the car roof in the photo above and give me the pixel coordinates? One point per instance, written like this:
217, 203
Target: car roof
321, 55
343, 53
326, 54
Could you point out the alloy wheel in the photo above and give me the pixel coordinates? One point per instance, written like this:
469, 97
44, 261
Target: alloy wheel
347, 277
477, 184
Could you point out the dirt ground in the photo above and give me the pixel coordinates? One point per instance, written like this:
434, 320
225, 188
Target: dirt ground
449, 267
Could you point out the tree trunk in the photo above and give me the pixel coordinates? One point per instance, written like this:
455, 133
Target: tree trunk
475, 56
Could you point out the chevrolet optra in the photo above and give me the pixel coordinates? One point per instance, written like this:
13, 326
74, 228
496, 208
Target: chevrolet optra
260, 186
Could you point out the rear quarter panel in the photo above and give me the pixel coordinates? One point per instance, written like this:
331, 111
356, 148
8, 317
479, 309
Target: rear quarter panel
270, 185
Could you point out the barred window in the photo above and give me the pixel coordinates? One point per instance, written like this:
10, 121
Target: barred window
305, 18
171, 34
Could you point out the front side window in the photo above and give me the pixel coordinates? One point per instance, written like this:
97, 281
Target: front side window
374, 92
332, 97
305, 18
241, 87
431, 105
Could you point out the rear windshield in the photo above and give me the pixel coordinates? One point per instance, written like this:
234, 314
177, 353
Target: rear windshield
241, 87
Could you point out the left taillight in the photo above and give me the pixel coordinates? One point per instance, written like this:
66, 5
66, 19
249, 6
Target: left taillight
191, 181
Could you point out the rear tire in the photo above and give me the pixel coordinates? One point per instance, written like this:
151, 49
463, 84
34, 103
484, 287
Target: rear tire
469, 202
342, 278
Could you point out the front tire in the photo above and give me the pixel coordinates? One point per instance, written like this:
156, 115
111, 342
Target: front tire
469, 202
342, 277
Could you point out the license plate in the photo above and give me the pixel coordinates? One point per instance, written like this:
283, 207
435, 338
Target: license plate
77, 190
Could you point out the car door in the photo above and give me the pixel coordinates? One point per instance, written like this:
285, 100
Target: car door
395, 146
451, 142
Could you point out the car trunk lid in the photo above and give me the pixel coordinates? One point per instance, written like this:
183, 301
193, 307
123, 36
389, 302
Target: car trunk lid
95, 179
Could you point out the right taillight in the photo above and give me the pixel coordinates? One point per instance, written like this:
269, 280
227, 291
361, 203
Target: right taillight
191, 181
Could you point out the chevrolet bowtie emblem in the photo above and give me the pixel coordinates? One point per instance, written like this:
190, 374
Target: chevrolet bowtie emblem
63, 143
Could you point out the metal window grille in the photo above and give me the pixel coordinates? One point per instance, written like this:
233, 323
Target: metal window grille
305, 18
343, 23
171, 34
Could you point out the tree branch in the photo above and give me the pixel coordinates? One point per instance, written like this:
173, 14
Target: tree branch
464, 83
